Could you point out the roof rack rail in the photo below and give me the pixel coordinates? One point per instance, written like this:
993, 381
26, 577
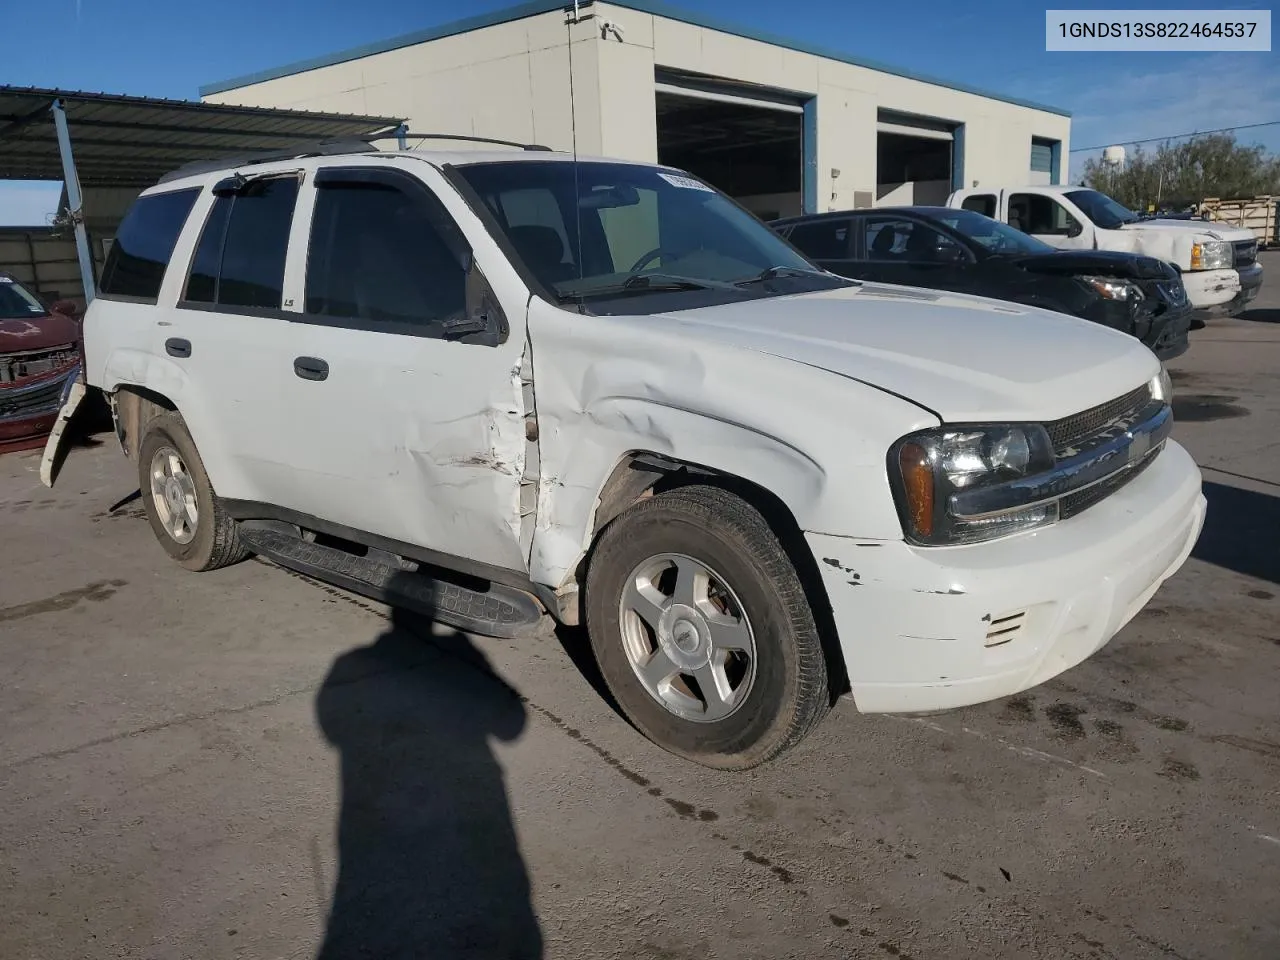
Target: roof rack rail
464, 137
322, 148
329, 148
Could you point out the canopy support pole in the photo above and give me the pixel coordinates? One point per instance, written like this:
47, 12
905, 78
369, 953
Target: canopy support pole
75, 199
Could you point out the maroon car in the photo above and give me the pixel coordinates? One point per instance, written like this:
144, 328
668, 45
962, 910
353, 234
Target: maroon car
39, 355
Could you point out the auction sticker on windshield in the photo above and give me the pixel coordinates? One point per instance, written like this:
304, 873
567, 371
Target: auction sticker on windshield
687, 183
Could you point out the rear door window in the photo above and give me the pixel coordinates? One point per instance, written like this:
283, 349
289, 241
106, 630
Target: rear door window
202, 282
257, 242
239, 259
822, 239
143, 245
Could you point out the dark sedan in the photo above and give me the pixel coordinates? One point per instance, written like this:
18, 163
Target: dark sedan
963, 251
39, 353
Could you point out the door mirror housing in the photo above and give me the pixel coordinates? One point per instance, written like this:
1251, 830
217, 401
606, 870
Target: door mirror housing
483, 320
1075, 228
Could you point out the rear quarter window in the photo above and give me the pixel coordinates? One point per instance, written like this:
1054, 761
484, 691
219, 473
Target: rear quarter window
144, 243
983, 203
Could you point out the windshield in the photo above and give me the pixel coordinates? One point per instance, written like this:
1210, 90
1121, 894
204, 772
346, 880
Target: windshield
632, 231
1101, 209
16, 301
992, 235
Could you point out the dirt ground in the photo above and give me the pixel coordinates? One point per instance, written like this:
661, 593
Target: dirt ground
193, 765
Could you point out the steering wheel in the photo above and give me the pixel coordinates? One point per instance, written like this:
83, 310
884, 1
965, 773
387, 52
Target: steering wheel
648, 258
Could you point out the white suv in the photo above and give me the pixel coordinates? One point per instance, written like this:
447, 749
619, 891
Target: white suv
493, 384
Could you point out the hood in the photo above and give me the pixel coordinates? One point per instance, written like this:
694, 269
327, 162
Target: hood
963, 358
37, 333
1104, 263
1215, 231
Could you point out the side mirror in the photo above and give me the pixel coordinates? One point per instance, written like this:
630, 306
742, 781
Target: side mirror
68, 308
483, 320
1075, 229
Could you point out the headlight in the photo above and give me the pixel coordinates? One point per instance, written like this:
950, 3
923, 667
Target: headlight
1162, 385
928, 467
1114, 289
1211, 255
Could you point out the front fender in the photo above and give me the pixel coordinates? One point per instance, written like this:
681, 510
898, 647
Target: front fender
623, 427
605, 391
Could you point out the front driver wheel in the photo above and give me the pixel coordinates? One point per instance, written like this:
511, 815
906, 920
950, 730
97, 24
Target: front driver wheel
702, 629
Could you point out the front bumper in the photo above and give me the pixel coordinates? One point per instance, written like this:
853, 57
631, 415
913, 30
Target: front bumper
935, 628
1169, 332
28, 410
1250, 284
1210, 290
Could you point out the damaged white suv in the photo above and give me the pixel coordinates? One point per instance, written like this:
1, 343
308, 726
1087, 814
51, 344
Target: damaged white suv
488, 385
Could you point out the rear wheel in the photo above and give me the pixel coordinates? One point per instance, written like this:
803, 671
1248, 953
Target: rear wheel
702, 629
185, 514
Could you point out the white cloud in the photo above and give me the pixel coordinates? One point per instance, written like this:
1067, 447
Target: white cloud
27, 204
1190, 94
1205, 93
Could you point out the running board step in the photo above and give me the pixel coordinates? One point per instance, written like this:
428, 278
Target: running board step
500, 611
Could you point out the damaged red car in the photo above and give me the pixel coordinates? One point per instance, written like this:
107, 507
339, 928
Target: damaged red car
39, 358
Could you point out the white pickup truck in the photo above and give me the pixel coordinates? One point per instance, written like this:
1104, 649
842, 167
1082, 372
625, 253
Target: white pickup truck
1218, 261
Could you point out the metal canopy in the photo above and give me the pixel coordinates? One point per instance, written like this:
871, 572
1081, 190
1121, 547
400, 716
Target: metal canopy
121, 141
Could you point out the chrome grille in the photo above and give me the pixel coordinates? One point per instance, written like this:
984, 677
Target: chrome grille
19, 366
33, 400
1081, 500
1070, 433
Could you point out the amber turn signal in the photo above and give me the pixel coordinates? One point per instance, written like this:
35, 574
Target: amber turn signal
917, 481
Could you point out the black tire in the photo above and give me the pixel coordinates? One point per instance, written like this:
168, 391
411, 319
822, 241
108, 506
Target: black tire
789, 694
216, 541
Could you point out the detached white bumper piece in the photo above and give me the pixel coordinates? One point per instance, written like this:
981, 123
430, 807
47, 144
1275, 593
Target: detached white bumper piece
935, 628
72, 396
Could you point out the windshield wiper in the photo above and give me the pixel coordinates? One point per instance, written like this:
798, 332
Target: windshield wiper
642, 283
664, 281
772, 273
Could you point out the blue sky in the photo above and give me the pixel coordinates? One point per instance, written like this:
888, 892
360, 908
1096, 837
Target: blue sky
169, 48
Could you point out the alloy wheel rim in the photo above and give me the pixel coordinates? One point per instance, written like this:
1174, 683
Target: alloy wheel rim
173, 494
687, 637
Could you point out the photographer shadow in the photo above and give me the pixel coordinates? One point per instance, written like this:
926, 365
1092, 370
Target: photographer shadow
428, 861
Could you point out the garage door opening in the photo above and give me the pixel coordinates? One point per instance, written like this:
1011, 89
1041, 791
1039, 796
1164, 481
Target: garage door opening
751, 149
915, 160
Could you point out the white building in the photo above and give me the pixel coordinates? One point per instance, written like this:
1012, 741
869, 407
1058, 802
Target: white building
782, 126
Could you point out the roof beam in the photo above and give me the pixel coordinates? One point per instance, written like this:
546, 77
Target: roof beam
185, 128
17, 123
185, 148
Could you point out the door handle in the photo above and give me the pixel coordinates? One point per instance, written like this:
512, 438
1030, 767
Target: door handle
177, 347
311, 368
